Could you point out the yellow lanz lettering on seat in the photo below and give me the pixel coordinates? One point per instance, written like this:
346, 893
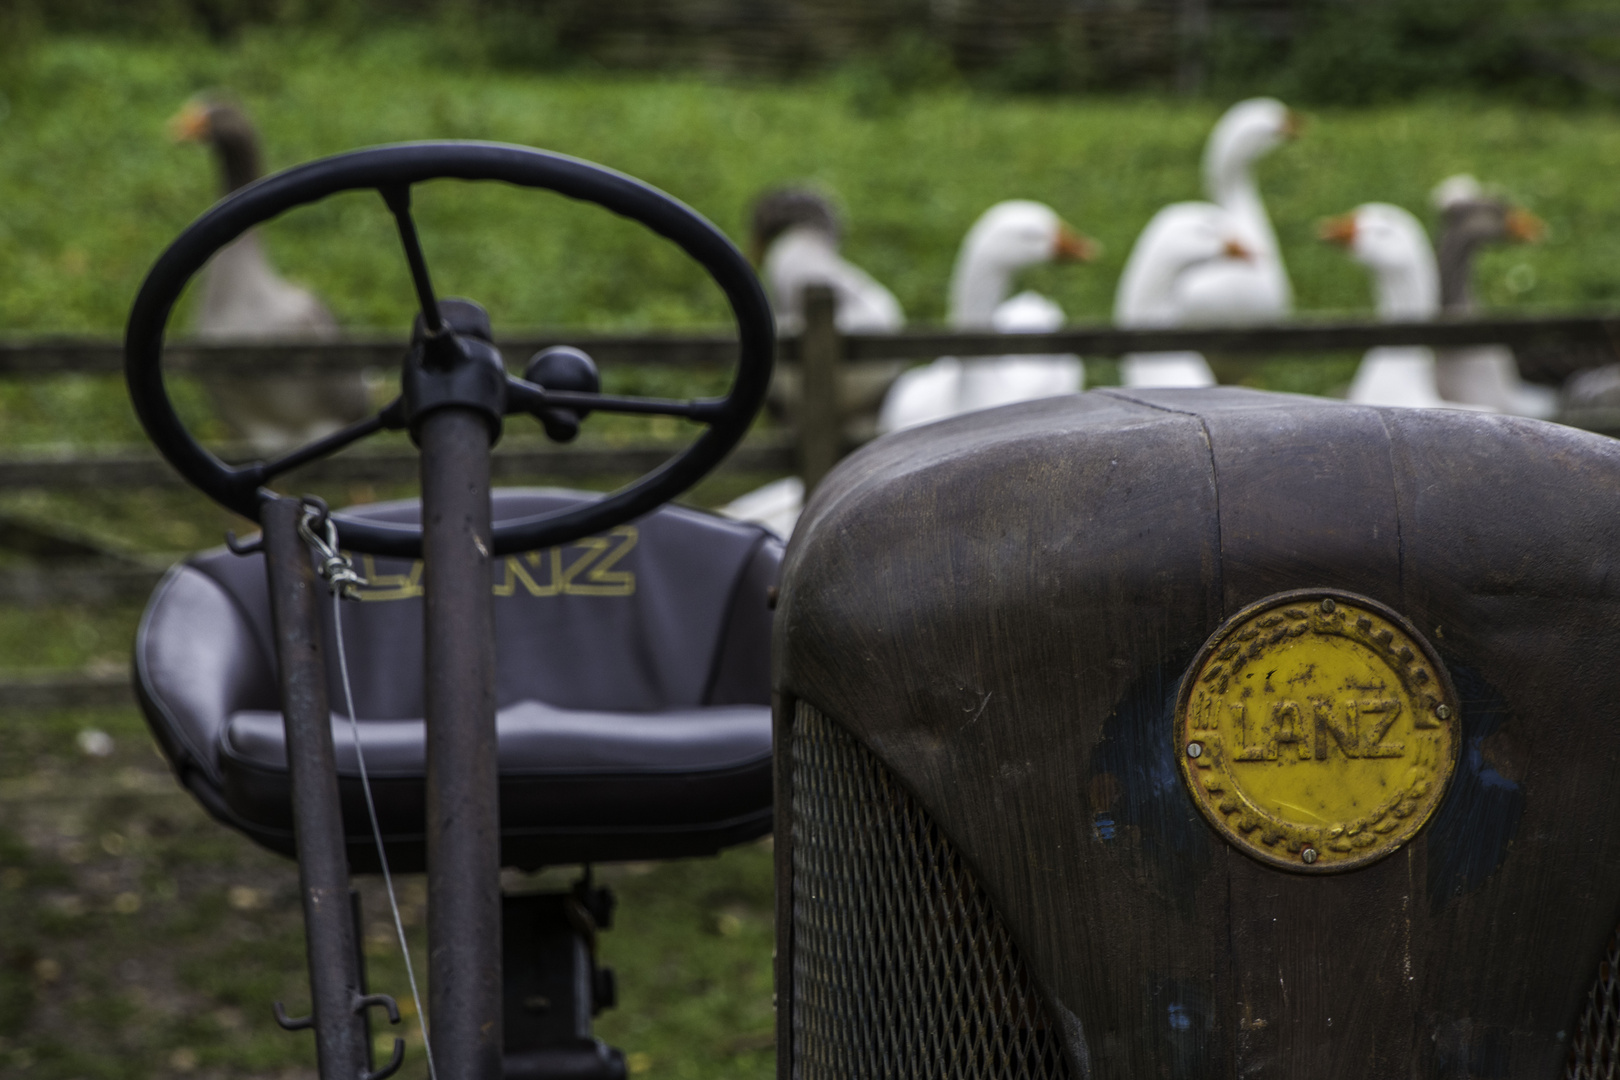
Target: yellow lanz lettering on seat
389, 586
592, 573
602, 579
515, 573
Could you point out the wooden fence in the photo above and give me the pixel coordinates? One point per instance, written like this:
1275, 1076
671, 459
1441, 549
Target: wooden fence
818, 366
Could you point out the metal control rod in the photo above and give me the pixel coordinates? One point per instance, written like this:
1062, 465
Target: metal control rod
463, 814
342, 1048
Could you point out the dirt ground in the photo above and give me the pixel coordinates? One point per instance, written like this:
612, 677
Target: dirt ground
139, 938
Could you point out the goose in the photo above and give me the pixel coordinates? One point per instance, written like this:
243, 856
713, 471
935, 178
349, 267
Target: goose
1391, 243
243, 298
1181, 241
1470, 219
795, 238
1218, 290
1007, 238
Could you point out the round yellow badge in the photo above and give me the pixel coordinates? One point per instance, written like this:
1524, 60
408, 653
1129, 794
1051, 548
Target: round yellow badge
1317, 730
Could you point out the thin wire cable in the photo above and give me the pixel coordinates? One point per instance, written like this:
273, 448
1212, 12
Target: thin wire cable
376, 831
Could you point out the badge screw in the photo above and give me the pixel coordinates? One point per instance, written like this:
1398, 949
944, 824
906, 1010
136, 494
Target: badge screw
1443, 711
1328, 608
1308, 855
1195, 749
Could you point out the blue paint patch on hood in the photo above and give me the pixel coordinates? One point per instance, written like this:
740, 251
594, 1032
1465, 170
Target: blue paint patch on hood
1472, 830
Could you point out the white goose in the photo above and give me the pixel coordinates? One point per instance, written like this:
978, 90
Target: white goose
243, 298
1009, 237
1220, 290
1392, 245
795, 238
1184, 239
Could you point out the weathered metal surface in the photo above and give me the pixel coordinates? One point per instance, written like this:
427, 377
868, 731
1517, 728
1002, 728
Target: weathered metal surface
1000, 607
1316, 730
331, 948
463, 785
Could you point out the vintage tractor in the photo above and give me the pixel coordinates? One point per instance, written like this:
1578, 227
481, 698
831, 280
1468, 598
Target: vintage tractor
1190, 734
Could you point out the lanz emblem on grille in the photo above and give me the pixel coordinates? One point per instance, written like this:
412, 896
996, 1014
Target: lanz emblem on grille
1317, 730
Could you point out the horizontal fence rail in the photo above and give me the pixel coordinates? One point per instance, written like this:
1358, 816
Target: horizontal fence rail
818, 362
144, 469
46, 356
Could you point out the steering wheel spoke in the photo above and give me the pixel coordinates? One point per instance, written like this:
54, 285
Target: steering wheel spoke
398, 198
265, 471
522, 396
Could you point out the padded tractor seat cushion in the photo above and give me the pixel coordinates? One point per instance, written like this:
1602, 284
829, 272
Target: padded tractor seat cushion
632, 683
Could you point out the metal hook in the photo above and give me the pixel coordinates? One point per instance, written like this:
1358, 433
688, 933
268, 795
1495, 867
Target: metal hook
335, 567
251, 546
393, 1065
290, 1023
381, 1001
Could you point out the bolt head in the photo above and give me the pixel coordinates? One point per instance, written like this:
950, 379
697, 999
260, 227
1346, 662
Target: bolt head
1328, 606
1443, 711
1195, 749
1307, 856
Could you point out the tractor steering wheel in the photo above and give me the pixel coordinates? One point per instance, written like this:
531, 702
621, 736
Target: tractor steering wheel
443, 342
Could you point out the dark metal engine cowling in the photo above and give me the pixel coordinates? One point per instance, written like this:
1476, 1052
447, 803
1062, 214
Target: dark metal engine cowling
989, 619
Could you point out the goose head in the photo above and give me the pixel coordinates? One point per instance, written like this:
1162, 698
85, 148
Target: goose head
1391, 243
1007, 238
1480, 217
1472, 218
227, 129
1245, 133
1180, 238
783, 210
1193, 237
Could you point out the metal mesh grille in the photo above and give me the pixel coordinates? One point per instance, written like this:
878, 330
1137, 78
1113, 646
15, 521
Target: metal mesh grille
901, 968
1595, 1054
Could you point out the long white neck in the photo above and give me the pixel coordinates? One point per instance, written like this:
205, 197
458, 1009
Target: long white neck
1229, 181
1409, 290
978, 284
1145, 296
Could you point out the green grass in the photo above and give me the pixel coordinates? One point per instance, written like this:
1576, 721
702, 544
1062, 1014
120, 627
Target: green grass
137, 938
93, 189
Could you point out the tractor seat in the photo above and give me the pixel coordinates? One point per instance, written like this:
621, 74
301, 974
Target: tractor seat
632, 688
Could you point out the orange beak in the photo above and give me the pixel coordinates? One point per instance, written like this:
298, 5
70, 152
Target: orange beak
1073, 247
190, 124
1234, 249
1525, 227
1293, 124
1338, 230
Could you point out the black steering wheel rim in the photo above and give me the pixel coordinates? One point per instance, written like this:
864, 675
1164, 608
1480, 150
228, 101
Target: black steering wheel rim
398, 166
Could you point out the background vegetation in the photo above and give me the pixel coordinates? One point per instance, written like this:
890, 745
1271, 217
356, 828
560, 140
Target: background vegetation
1320, 51
139, 939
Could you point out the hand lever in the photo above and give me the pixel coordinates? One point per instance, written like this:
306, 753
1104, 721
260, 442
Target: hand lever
562, 367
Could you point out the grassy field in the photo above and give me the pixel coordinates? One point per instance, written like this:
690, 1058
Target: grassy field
92, 189
137, 938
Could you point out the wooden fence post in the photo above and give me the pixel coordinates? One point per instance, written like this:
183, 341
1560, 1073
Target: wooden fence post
821, 430
1192, 45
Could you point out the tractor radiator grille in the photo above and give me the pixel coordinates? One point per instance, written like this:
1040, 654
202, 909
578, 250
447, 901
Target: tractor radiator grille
901, 967
1595, 1054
